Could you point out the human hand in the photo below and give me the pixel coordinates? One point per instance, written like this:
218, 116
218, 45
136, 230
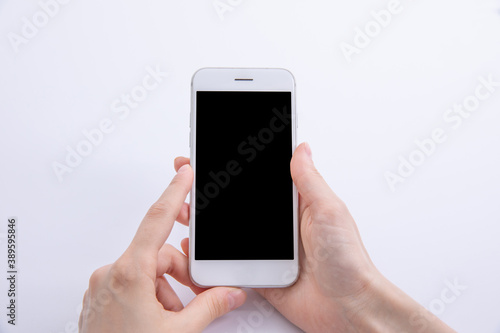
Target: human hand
335, 265
339, 289
132, 295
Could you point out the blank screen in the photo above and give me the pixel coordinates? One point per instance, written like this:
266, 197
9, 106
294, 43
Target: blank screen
244, 191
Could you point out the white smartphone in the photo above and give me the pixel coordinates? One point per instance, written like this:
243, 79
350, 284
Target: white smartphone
244, 205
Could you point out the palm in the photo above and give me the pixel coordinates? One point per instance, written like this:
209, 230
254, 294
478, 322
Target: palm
331, 261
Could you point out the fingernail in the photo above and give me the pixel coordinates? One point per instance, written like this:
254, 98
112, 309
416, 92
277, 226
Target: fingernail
235, 299
183, 169
308, 150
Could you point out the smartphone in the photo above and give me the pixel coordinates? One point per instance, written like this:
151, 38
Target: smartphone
243, 204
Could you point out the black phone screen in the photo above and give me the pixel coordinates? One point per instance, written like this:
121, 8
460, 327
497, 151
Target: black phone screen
243, 187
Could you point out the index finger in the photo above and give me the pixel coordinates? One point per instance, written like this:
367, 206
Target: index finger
158, 222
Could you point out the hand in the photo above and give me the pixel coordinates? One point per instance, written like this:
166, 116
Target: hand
335, 267
339, 289
132, 295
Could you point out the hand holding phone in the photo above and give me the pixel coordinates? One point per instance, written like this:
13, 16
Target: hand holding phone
339, 288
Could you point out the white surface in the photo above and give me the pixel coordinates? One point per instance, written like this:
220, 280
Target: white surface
442, 223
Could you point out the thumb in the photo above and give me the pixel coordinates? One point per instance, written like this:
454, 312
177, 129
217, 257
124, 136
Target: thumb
313, 189
210, 305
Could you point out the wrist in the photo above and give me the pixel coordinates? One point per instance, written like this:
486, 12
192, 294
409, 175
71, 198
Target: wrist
383, 307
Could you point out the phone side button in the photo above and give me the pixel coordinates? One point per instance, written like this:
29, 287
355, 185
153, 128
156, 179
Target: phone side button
189, 139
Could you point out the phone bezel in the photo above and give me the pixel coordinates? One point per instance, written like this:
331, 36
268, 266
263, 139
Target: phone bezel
242, 273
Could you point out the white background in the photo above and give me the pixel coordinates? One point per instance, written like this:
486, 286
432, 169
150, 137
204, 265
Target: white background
442, 223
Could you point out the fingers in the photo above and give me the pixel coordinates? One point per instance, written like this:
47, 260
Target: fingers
180, 161
313, 189
183, 217
185, 246
210, 305
175, 264
158, 222
167, 296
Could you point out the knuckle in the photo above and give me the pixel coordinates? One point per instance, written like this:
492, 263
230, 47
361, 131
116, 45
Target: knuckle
167, 250
122, 274
169, 256
98, 276
160, 209
332, 208
315, 173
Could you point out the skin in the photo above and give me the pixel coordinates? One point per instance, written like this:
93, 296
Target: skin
339, 288
132, 295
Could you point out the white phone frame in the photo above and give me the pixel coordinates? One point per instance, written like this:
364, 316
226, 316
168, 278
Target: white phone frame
242, 273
